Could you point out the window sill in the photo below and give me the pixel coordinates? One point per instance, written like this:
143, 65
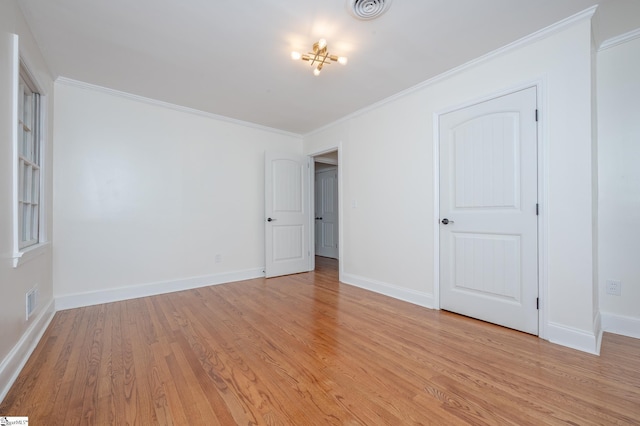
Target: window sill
29, 253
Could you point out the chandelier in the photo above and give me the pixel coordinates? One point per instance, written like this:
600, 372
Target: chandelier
319, 57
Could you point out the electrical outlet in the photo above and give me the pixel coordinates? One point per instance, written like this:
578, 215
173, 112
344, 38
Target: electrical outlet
218, 258
614, 287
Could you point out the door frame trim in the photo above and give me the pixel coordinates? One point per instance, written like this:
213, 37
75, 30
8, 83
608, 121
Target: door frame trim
311, 155
542, 141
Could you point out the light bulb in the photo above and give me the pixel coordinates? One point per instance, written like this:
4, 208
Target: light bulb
342, 60
322, 43
295, 56
316, 72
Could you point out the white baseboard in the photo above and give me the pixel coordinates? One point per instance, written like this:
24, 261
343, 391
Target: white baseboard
620, 324
556, 333
411, 296
77, 300
574, 338
17, 358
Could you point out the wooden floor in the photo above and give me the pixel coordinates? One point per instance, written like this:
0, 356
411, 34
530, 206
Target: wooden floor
307, 350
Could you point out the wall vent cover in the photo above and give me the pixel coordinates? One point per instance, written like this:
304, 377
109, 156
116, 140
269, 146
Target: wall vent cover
367, 9
32, 301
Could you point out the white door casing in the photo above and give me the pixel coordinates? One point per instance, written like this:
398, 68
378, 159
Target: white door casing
326, 213
287, 214
488, 196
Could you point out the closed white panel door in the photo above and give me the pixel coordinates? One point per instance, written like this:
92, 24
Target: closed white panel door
488, 211
326, 213
287, 214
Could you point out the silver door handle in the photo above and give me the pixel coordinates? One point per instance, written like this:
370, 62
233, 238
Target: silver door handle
446, 221
270, 220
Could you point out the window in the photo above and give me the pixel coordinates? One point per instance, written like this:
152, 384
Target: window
28, 167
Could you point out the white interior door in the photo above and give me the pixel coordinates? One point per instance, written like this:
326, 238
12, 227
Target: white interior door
488, 211
326, 213
287, 214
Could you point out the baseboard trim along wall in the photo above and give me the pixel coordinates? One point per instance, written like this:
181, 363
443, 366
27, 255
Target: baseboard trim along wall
574, 338
556, 333
12, 365
77, 300
619, 324
17, 358
411, 296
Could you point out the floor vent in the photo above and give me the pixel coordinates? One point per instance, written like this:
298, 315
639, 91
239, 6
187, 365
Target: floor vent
32, 301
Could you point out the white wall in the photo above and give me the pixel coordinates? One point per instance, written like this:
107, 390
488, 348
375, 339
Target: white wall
388, 195
619, 184
17, 335
146, 197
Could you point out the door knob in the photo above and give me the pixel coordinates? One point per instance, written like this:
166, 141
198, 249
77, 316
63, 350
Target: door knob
446, 221
318, 218
270, 220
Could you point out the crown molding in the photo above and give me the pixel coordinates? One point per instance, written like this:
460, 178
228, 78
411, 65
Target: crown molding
529, 39
622, 38
136, 98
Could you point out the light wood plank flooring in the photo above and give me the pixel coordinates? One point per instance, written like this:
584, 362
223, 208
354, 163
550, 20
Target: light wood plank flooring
307, 350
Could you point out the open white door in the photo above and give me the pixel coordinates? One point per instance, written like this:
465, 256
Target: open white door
488, 211
287, 214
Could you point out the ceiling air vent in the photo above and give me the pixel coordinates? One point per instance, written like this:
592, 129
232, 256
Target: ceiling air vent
367, 9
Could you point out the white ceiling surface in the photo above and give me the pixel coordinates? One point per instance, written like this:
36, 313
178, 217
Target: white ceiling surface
232, 58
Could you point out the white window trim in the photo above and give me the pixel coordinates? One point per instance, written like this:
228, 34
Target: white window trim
27, 254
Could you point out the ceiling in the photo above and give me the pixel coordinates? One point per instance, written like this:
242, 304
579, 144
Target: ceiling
232, 58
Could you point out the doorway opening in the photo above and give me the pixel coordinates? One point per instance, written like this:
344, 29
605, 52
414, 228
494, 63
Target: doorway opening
326, 217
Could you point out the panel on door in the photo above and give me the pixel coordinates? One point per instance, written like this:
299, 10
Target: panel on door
488, 200
326, 213
287, 214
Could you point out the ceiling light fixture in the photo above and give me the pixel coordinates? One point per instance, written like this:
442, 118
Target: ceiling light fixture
319, 57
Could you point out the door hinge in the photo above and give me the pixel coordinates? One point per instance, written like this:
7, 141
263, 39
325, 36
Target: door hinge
536, 115
537, 303
537, 209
